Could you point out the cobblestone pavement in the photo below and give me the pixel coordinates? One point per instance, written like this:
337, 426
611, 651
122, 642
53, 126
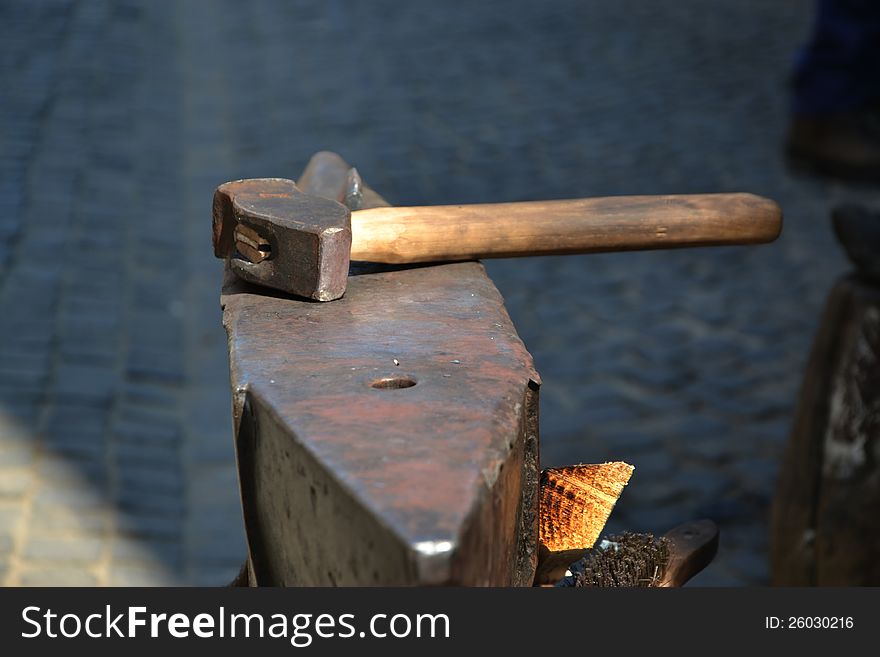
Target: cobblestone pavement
118, 119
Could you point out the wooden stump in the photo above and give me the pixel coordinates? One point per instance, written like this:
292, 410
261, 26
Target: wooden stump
825, 526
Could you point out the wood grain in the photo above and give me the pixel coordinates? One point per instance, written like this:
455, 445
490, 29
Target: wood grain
825, 527
619, 223
575, 504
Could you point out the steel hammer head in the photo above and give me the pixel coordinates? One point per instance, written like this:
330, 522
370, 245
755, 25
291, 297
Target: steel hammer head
276, 235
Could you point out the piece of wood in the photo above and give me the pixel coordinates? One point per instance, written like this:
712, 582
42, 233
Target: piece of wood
621, 223
825, 525
692, 546
576, 501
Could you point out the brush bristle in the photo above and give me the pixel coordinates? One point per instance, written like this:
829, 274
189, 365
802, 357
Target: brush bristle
632, 560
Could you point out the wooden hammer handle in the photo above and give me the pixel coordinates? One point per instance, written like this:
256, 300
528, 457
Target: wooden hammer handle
616, 223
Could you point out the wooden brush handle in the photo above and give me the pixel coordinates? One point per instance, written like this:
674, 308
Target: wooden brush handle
616, 223
692, 546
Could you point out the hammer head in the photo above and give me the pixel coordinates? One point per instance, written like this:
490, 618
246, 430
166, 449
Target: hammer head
276, 235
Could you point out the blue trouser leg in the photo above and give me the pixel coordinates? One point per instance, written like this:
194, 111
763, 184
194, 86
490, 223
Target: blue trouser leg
839, 70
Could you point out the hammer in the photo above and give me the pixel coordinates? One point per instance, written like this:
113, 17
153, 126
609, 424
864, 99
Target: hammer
276, 235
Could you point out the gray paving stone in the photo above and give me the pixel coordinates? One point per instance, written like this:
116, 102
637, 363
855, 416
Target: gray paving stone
56, 521
57, 576
15, 455
155, 433
218, 548
215, 576
17, 376
24, 401
68, 496
10, 512
758, 473
151, 455
149, 394
649, 516
24, 411
84, 383
88, 351
155, 365
147, 553
135, 576
705, 485
154, 330
70, 550
15, 482
145, 479
81, 310
215, 484
716, 576
77, 446
655, 492
656, 464
61, 472
136, 501
150, 525
728, 509
752, 566
214, 449
148, 414
75, 419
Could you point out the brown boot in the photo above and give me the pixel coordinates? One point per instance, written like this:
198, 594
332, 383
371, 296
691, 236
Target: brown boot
845, 145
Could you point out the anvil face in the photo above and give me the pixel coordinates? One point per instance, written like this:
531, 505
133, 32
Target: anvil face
388, 438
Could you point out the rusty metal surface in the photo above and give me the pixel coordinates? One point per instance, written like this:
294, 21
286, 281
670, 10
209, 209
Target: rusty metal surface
328, 175
389, 437
272, 233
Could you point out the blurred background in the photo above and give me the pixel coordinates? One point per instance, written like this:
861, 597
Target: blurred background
118, 119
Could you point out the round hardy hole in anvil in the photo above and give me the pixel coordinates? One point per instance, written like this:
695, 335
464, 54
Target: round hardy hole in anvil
393, 382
